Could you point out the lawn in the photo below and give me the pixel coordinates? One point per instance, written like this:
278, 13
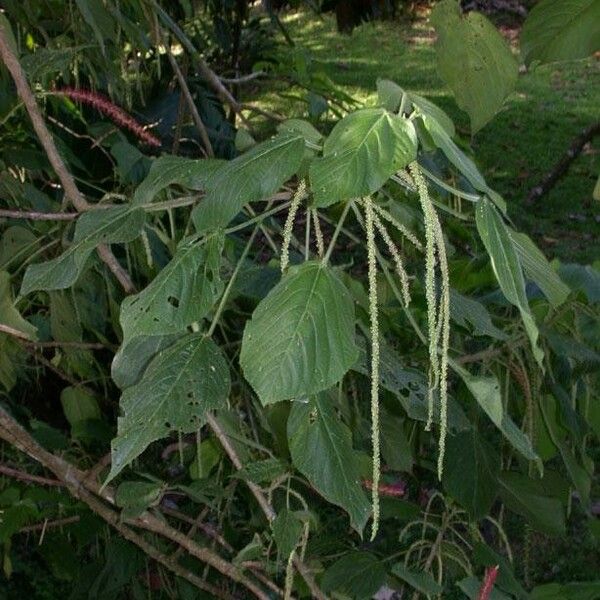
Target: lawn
551, 105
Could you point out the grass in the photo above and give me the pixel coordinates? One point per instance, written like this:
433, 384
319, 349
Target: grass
550, 106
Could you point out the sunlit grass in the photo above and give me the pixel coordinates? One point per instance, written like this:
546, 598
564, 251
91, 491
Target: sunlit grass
550, 106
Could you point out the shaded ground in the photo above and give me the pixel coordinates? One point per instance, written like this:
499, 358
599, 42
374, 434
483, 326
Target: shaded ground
549, 108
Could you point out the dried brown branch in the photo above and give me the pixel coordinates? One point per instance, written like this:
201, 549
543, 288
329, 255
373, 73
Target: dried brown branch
562, 166
68, 183
31, 215
49, 524
89, 491
262, 501
28, 477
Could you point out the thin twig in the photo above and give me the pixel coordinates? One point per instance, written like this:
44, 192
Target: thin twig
243, 78
32, 215
68, 183
23, 476
49, 524
262, 501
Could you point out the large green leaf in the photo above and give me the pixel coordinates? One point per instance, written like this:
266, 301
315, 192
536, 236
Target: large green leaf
419, 580
538, 269
526, 497
180, 385
465, 310
357, 575
179, 295
586, 590
561, 30
363, 150
168, 170
108, 226
486, 391
300, 339
505, 261
474, 60
321, 449
9, 315
470, 472
252, 176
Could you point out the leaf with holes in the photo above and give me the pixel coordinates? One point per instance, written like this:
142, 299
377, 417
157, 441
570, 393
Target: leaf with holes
252, 176
300, 339
361, 153
474, 60
182, 293
107, 226
564, 30
321, 449
180, 385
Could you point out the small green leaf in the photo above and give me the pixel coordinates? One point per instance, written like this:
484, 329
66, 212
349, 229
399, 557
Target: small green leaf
396, 450
465, 310
538, 269
181, 294
107, 226
255, 175
389, 94
419, 580
321, 449
134, 497
9, 315
486, 390
169, 170
358, 575
208, 456
474, 60
287, 529
526, 497
361, 153
78, 406
561, 30
586, 590
310, 345
180, 385
263, 471
505, 261
470, 472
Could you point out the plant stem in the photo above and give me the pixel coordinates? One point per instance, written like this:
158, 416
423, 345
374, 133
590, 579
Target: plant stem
338, 228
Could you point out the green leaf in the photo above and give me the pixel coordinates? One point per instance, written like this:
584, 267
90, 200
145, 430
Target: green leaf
433, 112
453, 153
134, 497
78, 406
133, 357
486, 557
180, 385
582, 278
561, 30
465, 310
107, 226
263, 471
538, 269
486, 391
321, 449
505, 261
15, 243
181, 294
470, 472
301, 127
287, 529
419, 580
309, 346
474, 60
208, 456
99, 19
472, 585
389, 94
396, 450
526, 497
588, 590
361, 153
9, 315
169, 170
8, 33
358, 575
255, 175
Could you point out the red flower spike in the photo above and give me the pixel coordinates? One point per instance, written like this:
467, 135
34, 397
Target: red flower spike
488, 583
396, 489
112, 111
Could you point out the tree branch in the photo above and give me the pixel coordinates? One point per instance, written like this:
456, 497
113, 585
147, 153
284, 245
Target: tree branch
562, 166
87, 490
31, 215
262, 501
68, 183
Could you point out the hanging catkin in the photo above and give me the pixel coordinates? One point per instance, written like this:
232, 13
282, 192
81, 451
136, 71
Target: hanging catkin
374, 318
438, 313
289, 224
